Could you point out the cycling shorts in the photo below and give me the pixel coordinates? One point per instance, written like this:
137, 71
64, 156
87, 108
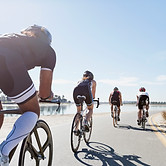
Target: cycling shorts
115, 102
143, 100
15, 81
83, 91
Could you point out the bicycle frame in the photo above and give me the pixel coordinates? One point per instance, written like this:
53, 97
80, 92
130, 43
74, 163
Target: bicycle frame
77, 125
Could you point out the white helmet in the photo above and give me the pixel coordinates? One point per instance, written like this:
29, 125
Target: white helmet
38, 31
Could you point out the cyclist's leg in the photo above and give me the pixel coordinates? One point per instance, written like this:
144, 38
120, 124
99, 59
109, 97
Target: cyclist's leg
112, 110
89, 102
23, 125
147, 110
147, 107
76, 92
89, 114
140, 107
119, 110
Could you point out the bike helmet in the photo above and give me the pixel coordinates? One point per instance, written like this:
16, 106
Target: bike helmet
142, 89
39, 32
88, 74
116, 88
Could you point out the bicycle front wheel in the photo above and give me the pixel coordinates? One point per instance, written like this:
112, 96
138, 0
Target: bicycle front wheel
87, 135
37, 147
76, 132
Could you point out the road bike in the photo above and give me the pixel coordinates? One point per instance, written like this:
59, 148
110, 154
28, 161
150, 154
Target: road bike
143, 113
37, 147
78, 130
115, 114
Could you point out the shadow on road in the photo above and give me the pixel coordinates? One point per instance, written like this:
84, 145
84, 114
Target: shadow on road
128, 127
99, 154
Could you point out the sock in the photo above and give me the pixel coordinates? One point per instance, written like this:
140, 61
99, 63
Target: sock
22, 127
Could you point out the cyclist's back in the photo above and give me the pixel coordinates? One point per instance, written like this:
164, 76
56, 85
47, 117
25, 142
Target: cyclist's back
32, 50
143, 99
115, 96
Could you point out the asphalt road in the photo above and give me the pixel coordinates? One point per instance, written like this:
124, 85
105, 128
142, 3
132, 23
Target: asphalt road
127, 145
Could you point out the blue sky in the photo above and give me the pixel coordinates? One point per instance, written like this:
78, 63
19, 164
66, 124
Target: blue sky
123, 42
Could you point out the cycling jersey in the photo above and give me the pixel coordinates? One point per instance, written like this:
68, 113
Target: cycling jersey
143, 99
115, 97
83, 88
18, 54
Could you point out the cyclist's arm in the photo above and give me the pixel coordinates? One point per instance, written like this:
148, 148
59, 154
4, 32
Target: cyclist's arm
45, 84
110, 98
93, 88
120, 96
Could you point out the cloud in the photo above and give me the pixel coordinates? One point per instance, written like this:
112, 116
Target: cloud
134, 81
123, 81
161, 78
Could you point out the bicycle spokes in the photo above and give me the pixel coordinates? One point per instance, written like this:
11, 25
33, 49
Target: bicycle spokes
37, 148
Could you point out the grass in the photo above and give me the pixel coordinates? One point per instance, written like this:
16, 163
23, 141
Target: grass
164, 114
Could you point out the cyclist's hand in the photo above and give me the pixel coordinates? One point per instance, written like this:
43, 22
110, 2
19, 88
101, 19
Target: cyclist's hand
48, 98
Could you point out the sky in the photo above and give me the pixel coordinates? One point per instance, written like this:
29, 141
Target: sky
122, 42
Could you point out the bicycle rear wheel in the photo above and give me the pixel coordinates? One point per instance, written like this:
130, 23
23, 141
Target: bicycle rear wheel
87, 135
76, 132
115, 117
143, 121
37, 147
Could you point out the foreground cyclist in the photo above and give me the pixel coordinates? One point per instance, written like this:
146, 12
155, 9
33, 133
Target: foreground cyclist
86, 87
18, 54
115, 98
142, 99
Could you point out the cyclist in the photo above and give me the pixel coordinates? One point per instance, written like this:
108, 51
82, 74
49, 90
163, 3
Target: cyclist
115, 98
18, 54
142, 99
86, 87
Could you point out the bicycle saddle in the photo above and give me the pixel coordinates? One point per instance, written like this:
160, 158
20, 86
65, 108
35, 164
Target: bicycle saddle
81, 98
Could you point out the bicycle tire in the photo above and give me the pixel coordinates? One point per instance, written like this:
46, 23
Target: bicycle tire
87, 135
143, 124
75, 139
143, 121
30, 153
115, 120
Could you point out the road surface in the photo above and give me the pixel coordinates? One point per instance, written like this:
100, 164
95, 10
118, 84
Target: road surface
127, 145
